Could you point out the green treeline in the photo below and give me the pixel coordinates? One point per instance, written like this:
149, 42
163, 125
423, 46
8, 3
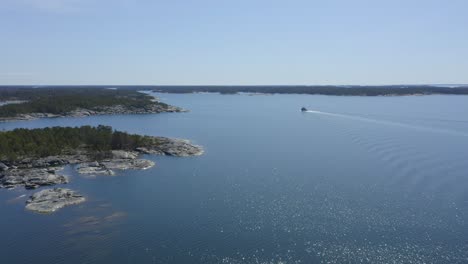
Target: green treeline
352, 90
29, 93
64, 100
42, 142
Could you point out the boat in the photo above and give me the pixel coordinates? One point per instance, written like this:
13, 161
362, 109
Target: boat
303, 109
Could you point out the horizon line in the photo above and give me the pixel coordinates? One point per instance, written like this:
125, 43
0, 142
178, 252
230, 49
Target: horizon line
244, 85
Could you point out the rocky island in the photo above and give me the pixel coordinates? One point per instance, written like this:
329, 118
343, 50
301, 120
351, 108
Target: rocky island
33, 103
335, 90
33, 158
50, 200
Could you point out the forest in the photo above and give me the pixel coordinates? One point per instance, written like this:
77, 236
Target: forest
352, 90
42, 142
61, 100
133, 97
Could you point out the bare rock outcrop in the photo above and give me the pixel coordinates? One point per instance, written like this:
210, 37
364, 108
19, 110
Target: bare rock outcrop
51, 200
176, 147
31, 178
121, 160
3, 167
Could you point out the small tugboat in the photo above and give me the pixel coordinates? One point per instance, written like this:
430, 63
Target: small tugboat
303, 109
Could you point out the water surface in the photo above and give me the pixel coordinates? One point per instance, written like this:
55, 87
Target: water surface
355, 180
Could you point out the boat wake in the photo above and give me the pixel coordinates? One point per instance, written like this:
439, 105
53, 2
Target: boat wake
390, 123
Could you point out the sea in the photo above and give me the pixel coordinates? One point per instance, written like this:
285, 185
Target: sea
352, 180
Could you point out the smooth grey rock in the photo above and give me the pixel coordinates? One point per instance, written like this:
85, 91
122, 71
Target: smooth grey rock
50, 200
49, 161
94, 168
149, 151
3, 167
93, 164
177, 147
122, 154
125, 164
81, 112
31, 178
106, 167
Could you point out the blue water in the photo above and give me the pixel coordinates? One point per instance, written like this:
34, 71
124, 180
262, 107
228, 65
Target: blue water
355, 180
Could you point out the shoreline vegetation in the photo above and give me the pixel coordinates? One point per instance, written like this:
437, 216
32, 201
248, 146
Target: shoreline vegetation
24, 92
34, 158
31, 103
334, 90
27, 93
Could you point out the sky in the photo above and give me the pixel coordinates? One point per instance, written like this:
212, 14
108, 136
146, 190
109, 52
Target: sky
237, 42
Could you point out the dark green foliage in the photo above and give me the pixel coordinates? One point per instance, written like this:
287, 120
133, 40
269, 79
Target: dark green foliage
64, 100
42, 142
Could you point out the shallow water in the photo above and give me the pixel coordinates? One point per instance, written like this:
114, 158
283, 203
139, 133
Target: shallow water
356, 180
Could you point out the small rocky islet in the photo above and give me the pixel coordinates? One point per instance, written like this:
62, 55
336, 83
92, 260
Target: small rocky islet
33, 173
50, 200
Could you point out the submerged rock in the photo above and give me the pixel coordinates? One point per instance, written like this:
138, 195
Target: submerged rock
31, 178
50, 200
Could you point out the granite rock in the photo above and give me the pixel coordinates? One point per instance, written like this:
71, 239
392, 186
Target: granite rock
51, 200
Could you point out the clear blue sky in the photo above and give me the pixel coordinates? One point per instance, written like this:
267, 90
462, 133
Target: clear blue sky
233, 42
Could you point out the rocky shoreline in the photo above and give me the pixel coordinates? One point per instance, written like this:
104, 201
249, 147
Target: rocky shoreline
32, 178
103, 110
107, 167
35, 173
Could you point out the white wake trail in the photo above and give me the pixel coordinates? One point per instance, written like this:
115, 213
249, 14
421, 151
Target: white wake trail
390, 123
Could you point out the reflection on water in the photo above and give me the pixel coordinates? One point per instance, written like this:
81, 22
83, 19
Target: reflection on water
359, 180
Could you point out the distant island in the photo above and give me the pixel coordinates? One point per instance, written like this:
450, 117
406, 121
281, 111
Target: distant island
25, 103
33, 158
339, 90
31, 102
